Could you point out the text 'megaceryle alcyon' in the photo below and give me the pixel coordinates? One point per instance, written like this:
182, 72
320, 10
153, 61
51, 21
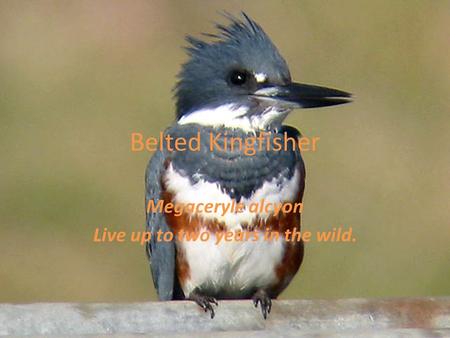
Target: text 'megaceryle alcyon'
237, 85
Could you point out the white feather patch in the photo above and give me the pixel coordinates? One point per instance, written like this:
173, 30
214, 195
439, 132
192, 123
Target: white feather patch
274, 191
225, 115
232, 116
260, 77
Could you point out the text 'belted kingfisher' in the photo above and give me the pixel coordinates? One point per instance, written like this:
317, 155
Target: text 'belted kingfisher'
238, 85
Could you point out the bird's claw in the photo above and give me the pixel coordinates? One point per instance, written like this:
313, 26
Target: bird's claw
205, 302
262, 298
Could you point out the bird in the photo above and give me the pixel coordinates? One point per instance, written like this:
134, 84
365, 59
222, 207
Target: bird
235, 83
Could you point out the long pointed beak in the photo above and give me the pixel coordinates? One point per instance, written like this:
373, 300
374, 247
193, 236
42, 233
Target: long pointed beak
298, 95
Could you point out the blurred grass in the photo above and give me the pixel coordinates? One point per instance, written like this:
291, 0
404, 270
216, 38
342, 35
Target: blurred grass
79, 76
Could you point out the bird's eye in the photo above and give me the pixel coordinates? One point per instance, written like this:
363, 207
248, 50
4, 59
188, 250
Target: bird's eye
238, 77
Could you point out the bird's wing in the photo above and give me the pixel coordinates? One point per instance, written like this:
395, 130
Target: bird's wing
295, 133
161, 254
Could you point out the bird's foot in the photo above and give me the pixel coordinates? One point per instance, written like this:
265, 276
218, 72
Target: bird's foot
205, 302
262, 298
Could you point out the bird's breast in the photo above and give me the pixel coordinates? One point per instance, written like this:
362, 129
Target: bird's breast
230, 254
225, 210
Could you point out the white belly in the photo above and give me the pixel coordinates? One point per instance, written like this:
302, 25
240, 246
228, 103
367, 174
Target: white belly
231, 269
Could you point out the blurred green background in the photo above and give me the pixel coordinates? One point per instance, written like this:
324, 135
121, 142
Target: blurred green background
78, 77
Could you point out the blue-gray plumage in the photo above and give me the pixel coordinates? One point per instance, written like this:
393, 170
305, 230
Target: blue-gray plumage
240, 86
239, 174
162, 254
242, 45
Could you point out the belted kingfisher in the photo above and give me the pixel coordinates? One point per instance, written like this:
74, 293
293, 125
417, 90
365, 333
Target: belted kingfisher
239, 85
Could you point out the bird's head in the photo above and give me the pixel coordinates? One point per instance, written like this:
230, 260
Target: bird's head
240, 80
